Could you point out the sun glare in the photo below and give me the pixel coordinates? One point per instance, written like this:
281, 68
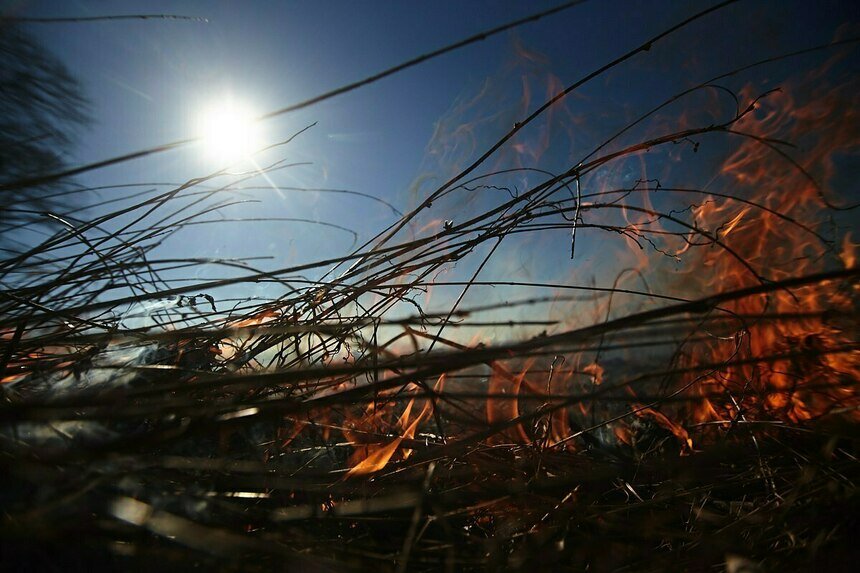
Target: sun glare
229, 132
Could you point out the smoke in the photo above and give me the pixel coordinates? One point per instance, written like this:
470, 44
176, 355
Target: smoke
120, 363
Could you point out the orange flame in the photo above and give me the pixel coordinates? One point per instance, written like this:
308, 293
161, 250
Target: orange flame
376, 457
677, 430
502, 410
802, 378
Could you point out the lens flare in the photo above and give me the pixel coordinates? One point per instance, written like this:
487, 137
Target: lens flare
229, 132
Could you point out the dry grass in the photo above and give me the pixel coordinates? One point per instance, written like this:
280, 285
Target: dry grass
143, 425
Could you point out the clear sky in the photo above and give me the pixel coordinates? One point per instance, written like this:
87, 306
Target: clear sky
149, 80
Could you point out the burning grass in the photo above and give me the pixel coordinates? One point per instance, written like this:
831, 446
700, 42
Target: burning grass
697, 419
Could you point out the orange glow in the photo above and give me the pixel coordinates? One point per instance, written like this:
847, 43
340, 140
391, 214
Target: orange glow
848, 254
677, 430
372, 458
807, 382
502, 410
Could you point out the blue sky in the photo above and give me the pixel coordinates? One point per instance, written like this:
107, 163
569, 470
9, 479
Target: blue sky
147, 81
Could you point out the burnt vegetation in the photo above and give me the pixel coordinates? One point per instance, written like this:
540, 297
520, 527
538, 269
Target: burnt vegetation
697, 412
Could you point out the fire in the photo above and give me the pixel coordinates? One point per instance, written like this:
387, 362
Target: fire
793, 369
661, 420
848, 254
502, 410
374, 457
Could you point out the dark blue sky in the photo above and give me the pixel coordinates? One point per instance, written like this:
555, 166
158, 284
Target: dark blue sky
147, 78
147, 81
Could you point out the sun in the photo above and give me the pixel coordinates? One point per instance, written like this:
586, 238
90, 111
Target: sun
229, 132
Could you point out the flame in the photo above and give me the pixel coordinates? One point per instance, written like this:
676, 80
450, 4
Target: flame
596, 372
799, 377
375, 457
380, 457
848, 254
549, 422
734, 222
500, 411
623, 434
677, 430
